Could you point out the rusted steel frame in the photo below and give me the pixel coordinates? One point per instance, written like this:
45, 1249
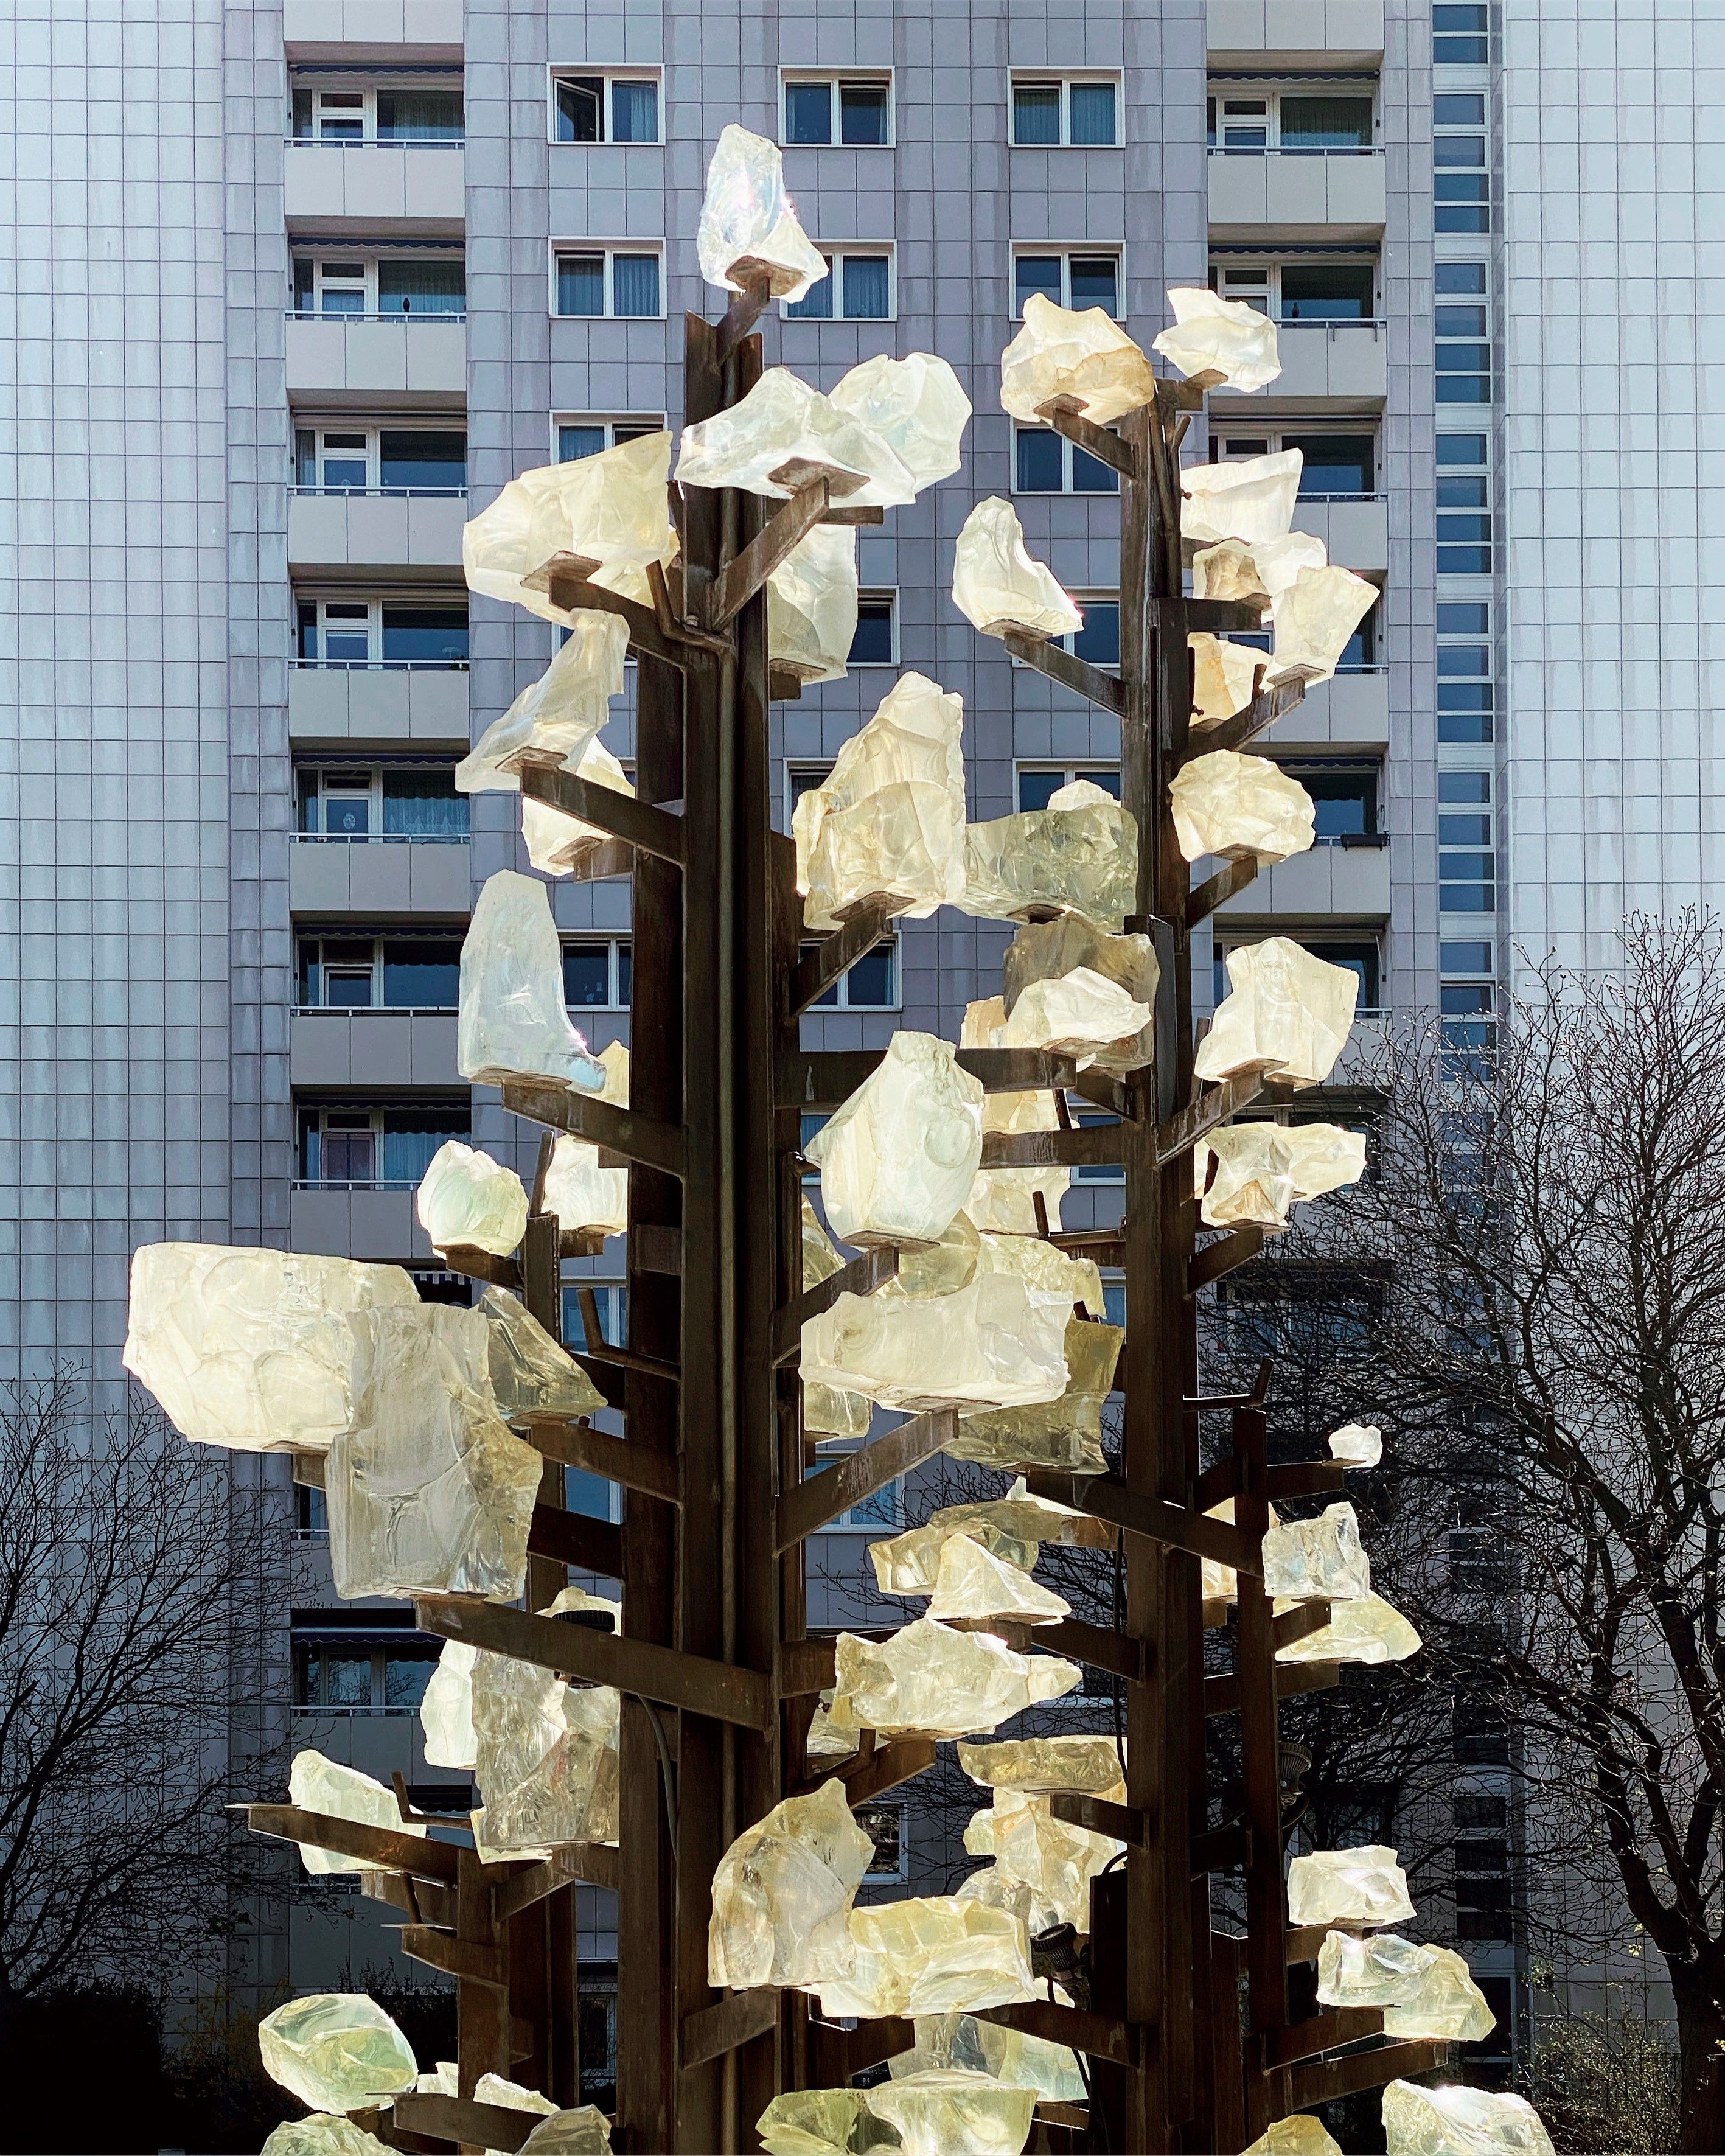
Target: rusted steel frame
729, 2022
461, 2120
1098, 1816
1216, 891
617, 1459
630, 1132
587, 1863
747, 573
1056, 664
1266, 708
415, 1855
826, 1078
1226, 1254
1216, 1104
873, 1268
1305, 2088
1255, 1683
1119, 452
636, 823
1087, 1145
481, 1266
1169, 1524
566, 1538
834, 957
859, 1474
1098, 2036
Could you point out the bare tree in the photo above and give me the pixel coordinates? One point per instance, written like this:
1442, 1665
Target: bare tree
130, 1563
1534, 1267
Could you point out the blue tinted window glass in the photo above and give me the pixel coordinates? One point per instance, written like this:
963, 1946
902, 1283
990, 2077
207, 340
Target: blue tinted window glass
1106, 776
1039, 461
1460, 450
1099, 639
872, 644
421, 973
1092, 105
1036, 272
816, 304
869, 981
1035, 787
867, 285
411, 286
1095, 281
586, 975
1090, 475
1455, 279
1035, 113
423, 804
576, 442
635, 285
581, 284
862, 113
809, 112
634, 112
432, 635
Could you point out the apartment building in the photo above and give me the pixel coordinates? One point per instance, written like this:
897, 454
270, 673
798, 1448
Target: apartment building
299, 286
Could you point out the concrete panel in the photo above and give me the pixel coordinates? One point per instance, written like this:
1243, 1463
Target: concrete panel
373, 1048
378, 363
378, 1225
1341, 34
318, 1049
1286, 195
439, 876
335, 531
330, 703
357, 188
319, 30
1348, 710
1341, 365
1345, 881
378, 877
1355, 532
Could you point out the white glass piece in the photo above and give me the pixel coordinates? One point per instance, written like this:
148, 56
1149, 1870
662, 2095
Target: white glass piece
1056, 1862
1318, 1560
511, 2096
249, 1348
748, 224
974, 1584
583, 2130
1064, 1433
1287, 1013
1223, 675
954, 2113
938, 1954
889, 819
612, 510
318, 1784
1233, 806
816, 2123
897, 1160
513, 1022
336, 2050
783, 436
578, 1190
1077, 1014
1378, 1970
1365, 1628
427, 1493
1456, 2121
488, 1850
811, 605
915, 404
557, 843
1232, 570
1446, 2005
1043, 1766
465, 1197
783, 1895
827, 1411
1078, 354
1246, 498
1324, 1157
577, 1598
528, 1372
1053, 951
1003, 1200
1314, 618
1364, 1885
1048, 2070
323, 2133
824, 1742
1218, 342
561, 713
1300, 2134
1031, 1521
446, 1710
997, 586
1079, 855
1013, 1529
546, 1755
931, 1680
1242, 1173
1358, 1443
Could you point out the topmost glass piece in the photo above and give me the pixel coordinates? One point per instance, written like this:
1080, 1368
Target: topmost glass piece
1217, 343
748, 224
1081, 355
612, 510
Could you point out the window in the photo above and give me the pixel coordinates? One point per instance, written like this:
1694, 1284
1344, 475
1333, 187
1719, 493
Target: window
854, 111
1073, 277
1099, 639
1302, 291
389, 972
1045, 462
422, 114
596, 975
1461, 183
1038, 783
595, 283
875, 642
312, 1518
1086, 1117
1055, 111
858, 288
386, 285
1461, 333
1467, 997
1458, 35
379, 460
381, 632
1298, 123
1464, 506
884, 1508
871, 984
588, 438
605, 108
379, 1147
1466, 872
1361, 957
355, 1674
1464, 693
1338, 467
1345, 798
884, 1825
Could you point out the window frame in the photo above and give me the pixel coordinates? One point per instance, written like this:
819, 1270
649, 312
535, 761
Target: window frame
374, 1112
1069, 452
608, 251
610, 76
1217, 90
379, 939
374, 605
835, 257
1465, 213
615, 966
310, 1650
331, 253
1444, 342
1453, 640
1085, 601
1452, 540
1223, 265
839, 992
1315, 941
835, 79
874, 595
1453, 801
1275, 432
1064, 78
1066, 252
1372, 769
636, 423
372, 452
368, 138
1090, 768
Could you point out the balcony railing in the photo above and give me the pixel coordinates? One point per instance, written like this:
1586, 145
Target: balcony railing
357, 1182
393, 314
1351, 840
1314, 495
383, 665
375, 143
1375, 323
388, 493
379, 838
374, 1010
1296, 149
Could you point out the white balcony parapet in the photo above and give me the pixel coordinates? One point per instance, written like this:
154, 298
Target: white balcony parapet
407, 187
381, 361
1346, 34
1300, 195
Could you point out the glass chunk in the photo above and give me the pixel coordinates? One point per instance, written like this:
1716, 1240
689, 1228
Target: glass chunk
1056, 1862
1054, 951
324, 2134
783, 1895
1362, 1628
1079, 855
529, 1373
812, 605
1223, 675
1247, 498
1044, 1765
782, 436
938, 1954
1237, 806
546, 1755
1299, 2134
816, 2123
1316, 1560
1064, 1435
318, 1784
897, 1160
465, 1197
1358, 1443
446, 1710
561, 713
557, 843
1232, 570
997, 586
578, 1190
1447, 2004
749, 225
929, 1680
1380, 1970
1079, 354
973, 1584
250, 1347
1314, 619
888, 820
583, 2130
1364, 1885
1218, 342
1241, 1171
1003, 1200
826, 1409
952, 2112
336, 2050
823, 1741
1323, 1157
915, 404
1456, 2121
612, 510
513, 1022
1048, 2070
1288, 1014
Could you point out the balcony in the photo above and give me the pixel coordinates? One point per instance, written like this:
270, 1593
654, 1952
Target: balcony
377, 876
1355, 528
381, 362
1326, 366
415, 188
1346, 710
1349, 880
1260, 34
331, 528
333, 1221
392, 1048
331, 30
380, 703
1315, 196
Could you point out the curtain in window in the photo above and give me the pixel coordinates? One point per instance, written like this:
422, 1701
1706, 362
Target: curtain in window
1327, 123
420, 115
408, 1144
581, 284
865, 288
816, 304
634, 284
423, 804
634, 111
1036, 112
1092, 110
412, 286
